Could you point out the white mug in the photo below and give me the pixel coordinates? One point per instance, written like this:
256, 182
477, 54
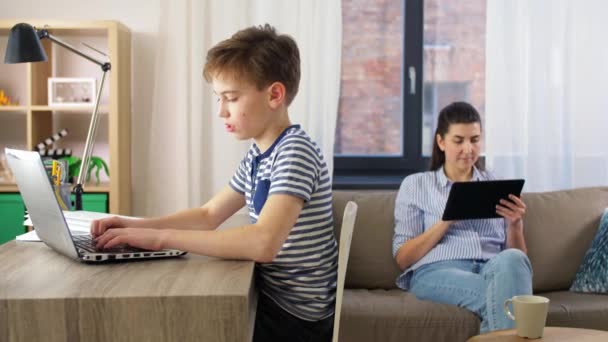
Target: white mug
529, 314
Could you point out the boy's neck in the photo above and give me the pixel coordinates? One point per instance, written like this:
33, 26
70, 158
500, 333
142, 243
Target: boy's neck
270, 134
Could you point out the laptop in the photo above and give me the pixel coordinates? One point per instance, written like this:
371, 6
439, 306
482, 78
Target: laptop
48, 219
478, 200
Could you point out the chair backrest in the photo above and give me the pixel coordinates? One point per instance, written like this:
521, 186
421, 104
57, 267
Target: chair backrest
346, 235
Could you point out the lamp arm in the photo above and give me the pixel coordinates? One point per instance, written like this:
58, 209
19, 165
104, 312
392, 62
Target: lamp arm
92, 133
45, 34
88, 147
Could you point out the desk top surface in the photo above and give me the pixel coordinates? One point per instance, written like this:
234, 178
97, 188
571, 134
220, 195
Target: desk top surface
31, 270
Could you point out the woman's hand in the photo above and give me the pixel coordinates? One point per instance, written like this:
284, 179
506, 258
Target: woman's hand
513, 211
152, 239
413, 250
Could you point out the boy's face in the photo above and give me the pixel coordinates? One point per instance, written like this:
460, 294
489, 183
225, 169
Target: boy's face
246, 111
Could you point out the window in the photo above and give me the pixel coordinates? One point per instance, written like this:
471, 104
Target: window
370, 113
436, 95
402, 61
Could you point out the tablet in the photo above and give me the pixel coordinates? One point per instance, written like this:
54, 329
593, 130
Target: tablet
478, 200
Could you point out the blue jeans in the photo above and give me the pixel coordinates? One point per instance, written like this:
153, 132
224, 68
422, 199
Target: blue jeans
476, 285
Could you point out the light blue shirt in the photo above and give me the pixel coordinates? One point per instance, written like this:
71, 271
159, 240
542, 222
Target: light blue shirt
420, 204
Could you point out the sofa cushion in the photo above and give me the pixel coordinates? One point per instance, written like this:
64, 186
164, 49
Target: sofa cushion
559, 227
396, 315
370, 264
577, 310
592, 275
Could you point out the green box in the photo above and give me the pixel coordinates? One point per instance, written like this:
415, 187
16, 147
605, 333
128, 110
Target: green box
97, 202
12, 212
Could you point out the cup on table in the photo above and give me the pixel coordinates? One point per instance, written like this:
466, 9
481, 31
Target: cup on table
529, 314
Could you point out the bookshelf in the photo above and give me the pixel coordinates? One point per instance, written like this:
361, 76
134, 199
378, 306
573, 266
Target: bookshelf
32, 120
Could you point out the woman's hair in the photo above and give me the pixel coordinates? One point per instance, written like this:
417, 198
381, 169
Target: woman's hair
454, 113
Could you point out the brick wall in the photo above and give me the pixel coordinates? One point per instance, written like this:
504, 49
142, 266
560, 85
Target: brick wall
369, 120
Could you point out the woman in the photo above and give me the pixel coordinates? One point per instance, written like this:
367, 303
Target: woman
474, 264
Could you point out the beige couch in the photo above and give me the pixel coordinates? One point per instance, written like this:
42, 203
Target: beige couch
559, 227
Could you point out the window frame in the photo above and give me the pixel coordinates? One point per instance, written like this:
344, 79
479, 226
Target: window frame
360, 172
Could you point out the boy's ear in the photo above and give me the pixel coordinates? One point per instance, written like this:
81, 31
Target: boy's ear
276, 94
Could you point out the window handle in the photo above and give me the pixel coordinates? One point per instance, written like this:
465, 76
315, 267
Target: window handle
412, 76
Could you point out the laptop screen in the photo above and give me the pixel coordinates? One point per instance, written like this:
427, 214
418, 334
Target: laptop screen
40, 201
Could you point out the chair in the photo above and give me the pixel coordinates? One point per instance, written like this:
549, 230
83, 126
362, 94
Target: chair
346, 235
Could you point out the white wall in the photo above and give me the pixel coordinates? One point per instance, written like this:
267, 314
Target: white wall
142, 18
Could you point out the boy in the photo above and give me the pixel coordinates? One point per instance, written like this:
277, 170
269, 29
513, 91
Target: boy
284, 182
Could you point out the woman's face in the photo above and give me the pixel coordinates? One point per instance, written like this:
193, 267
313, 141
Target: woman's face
462, 145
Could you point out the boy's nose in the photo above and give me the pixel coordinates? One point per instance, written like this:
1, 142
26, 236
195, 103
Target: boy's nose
222, 112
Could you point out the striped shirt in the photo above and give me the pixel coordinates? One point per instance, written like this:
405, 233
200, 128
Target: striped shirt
419, 205
302, 277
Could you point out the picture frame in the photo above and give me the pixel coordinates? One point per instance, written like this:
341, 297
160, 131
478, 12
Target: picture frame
69, 91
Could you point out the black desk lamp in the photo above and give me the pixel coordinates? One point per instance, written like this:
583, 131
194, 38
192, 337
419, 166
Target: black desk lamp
24, 46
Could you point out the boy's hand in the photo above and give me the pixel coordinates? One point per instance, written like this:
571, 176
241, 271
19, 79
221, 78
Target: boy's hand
152, 239
98, 227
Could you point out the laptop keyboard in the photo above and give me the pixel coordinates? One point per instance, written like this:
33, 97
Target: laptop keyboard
87, 243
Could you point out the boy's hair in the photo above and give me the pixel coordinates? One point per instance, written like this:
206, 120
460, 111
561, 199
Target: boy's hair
454, 113
259, 55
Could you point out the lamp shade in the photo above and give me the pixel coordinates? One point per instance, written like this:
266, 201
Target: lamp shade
24, 45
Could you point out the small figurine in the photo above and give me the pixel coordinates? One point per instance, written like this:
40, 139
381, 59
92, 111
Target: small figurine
95, 163
5, 100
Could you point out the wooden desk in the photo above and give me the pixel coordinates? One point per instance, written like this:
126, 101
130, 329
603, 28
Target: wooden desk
45, 296
549, 334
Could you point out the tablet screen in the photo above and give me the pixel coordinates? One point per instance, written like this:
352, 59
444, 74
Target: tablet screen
478, 200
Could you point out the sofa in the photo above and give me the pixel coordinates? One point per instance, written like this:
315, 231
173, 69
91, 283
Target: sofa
559, 227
